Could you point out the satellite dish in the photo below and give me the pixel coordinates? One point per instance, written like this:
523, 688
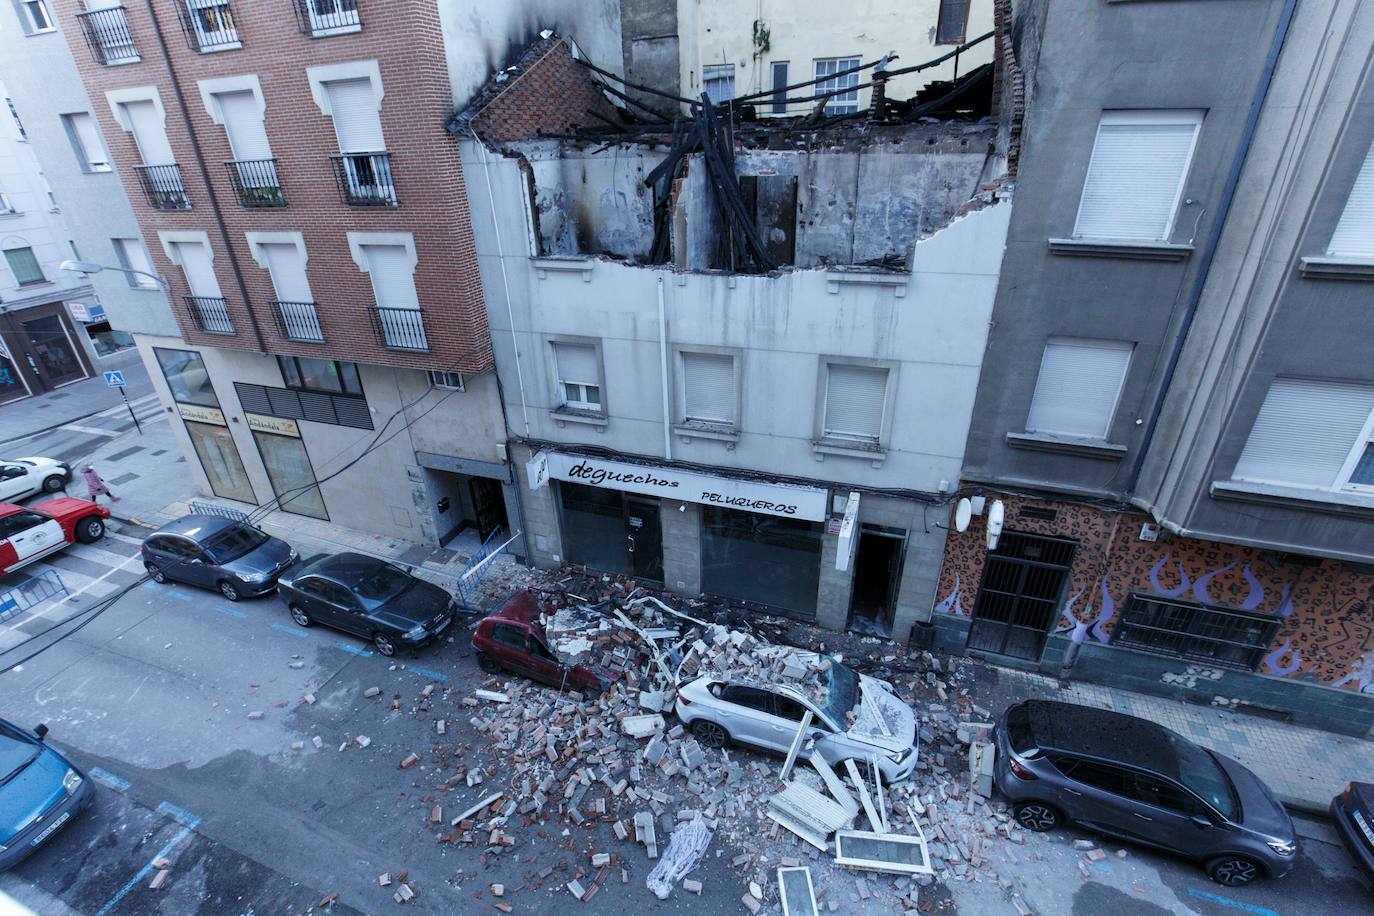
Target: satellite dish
996, 515
962, 513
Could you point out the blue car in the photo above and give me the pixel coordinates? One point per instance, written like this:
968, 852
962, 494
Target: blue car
39, 792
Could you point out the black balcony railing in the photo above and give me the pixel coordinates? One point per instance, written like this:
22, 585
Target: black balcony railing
256, 182
208, 25
108, 35
400, 329
298, 321
365, 179
210, 314
163, 187
320, 18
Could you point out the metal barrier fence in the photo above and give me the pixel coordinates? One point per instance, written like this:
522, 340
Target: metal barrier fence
480, 563
45, 585
197, 507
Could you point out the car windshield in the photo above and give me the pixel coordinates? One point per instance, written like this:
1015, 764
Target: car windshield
379, 584
1200, 772
15, 756
234, 542
842, 690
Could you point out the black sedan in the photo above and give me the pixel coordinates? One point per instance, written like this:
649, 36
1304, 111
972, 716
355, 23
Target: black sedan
367, 597
1353, 813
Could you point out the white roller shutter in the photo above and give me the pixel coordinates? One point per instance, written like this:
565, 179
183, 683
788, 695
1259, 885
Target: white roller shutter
199, 269
1078, 387
1135, 178
89, 137
357, 122
287, 268
243, 124
1354, 235
708, 387
854, 401
149, 132
393, 277
1304, 432
577, 363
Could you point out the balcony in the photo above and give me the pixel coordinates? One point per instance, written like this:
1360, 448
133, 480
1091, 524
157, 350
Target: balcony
400, 329
108, 36
210, 314
256, 183
163, 187
365, 179
322, 18
208, 25
298, 321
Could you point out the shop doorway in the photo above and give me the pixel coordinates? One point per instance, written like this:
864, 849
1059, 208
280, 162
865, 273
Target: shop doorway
42, 352
877, 576
488, 505
644, 538
611, 531
1018, 601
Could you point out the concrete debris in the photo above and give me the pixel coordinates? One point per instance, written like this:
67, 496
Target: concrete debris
751, 904
297, 745
409, 761
318, 742
371, 692
159, 879
755, 890
384, 879
691, 886
403, 894
498, 890
493, 696
362, 740
308, 699
643, 726
256, 714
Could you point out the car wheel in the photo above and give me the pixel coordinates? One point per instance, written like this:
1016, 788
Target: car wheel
300, 616
1037, 816
1233, 871
709, 734
227, 589
90, 529
154, 573
384, 644
488, 664
54, 484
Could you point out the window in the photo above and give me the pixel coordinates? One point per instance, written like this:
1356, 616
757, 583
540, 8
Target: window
328, 17
449, 380
144, 118
186, 377
708, 388
206, 303
1354, 235
1163, 795
509, 635
24, 266
107, 32
579, 376
133, 256
788, 708
855, 401
209, 25
243, 124
719, 82
752, 698
1135, 177
1201, 632
330, 376
953, 23
1312, 433
197, 264
34, 16
85, 141
5, 206
779, 104
392, 270
1078, 387
1101, 776
363, 165
18, 124
846, 97
763, 559
289, 471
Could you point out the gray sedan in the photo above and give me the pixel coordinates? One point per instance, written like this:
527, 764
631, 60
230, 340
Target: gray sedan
232, 557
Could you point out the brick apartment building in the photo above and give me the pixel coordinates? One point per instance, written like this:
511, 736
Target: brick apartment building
292, 176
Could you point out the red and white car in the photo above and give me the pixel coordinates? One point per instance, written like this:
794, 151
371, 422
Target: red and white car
29, 533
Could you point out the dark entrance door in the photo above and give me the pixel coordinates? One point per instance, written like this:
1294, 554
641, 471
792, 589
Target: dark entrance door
51, 350
1019, 597
877, 569
644, 538
488, 505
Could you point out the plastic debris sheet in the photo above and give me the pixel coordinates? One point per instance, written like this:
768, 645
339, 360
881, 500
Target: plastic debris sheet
685, 849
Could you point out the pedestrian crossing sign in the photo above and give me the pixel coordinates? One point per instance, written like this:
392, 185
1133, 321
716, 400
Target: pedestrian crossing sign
114, 378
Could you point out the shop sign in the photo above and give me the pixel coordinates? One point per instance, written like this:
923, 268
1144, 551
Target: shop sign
782, 499
849, 533
281, 426
537, 469
197, 414
87, 313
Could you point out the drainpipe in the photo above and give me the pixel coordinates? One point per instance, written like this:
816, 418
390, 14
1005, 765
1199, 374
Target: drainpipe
1228, 195
205, 176
663, 369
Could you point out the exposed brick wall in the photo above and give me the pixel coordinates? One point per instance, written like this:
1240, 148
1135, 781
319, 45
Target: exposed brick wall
1009, 84
405, 38
551, 94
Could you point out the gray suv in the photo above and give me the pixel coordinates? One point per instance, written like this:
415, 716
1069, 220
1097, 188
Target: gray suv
232, 557
1133, 779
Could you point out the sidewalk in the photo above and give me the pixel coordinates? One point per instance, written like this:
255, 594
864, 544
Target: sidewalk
72, 403
1304, 767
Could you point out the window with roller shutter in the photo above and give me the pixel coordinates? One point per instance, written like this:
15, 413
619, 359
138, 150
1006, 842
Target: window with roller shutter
855, 403
1312, 433
1078, 387
708, 388
1354, 235
85, 140
1135, 178
579, 376
357, 123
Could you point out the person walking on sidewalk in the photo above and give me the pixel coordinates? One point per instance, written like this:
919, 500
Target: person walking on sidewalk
95, 486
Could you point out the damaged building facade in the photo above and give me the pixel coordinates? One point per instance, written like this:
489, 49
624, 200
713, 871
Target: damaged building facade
737, 358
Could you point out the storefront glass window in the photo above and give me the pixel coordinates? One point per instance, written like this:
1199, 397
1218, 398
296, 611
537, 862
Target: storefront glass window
186, 376
293, 479
761, 558
328, 375
107, 340
594, 527
220, 458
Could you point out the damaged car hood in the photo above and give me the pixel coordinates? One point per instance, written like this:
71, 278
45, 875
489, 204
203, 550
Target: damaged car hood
882, 719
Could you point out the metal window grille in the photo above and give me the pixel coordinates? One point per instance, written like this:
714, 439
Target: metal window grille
208, 25
1202, 632
256, 182
163, 187
400, 329
321, 18
211, 314
298, 321
1018, 601
108, 36
365, 179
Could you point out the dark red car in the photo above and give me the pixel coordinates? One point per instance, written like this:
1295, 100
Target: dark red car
29, 533
512, 639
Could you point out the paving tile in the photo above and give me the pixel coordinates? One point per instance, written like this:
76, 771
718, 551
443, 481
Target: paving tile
123, 478
121, 455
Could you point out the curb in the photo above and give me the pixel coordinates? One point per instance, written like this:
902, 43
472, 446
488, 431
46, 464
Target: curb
1305, 807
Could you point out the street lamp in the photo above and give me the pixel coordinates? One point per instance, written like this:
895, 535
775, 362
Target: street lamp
90, 267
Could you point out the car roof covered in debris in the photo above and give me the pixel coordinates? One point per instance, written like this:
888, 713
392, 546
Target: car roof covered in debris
522, 607
1103, 734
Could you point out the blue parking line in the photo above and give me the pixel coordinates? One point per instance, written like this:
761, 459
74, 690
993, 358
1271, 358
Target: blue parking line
353, 650
186, 818
425, 672
1227, 901
189, 823
105, 777
230, 612
152, 586
179, 595
294, 631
